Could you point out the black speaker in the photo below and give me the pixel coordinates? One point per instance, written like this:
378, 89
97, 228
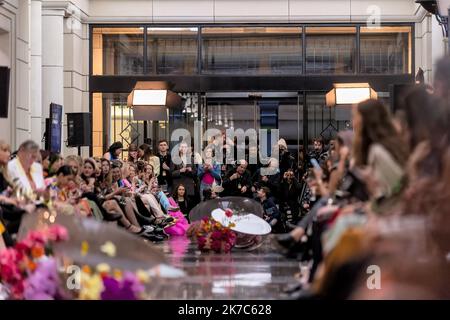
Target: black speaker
4, 91
79, 129
48, 133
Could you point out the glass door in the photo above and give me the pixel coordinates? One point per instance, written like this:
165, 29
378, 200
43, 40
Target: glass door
113, 121
266, 110
290, 125
323, 121
231, 110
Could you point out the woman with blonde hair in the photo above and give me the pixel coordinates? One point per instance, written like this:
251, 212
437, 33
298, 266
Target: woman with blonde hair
75, 162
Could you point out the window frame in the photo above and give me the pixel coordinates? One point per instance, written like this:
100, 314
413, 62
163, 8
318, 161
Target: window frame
303, 27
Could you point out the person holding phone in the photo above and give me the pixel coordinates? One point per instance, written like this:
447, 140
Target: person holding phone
321, 177
208, 172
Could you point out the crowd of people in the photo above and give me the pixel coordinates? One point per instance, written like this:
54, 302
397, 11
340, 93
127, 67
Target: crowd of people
378, 224
377, 195
144, 192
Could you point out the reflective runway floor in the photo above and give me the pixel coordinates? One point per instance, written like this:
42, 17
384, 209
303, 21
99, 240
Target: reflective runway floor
260, 274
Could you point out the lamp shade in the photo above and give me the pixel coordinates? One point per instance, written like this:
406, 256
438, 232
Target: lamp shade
150, 100
147, 113
149, 97
349, 94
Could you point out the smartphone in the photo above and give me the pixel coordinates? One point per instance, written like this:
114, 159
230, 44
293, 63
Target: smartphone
315, 163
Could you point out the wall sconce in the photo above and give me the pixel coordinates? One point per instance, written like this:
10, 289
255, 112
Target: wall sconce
150, 100
349, 94
149, 97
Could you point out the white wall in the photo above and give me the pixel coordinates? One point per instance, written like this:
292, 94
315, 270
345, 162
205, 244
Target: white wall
16, 15
5, 60
247, 10
76, 69
430, 45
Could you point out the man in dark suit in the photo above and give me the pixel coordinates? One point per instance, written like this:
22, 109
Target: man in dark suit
238, 181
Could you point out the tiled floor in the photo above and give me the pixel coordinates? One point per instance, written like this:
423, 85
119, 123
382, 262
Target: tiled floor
260, 274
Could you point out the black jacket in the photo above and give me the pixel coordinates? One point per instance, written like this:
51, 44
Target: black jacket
287, 161
188, 179
272, 215
233, 187
165, 176
4, 184
289, 193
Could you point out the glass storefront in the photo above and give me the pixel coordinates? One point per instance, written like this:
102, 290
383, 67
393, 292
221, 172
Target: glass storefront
252, 50
172, 50
232, 50
386, 50
118, 51
206, 56
330, 50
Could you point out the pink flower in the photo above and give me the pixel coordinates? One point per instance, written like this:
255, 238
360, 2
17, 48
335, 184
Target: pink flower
58, 233
10, 273
24, 246
201, 242
216, 245
9, 265
17, 290
216, 235
229, 213
37, 237
226, 247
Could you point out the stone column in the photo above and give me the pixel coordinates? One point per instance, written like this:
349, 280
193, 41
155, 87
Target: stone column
22, 120
52, 57
37, 119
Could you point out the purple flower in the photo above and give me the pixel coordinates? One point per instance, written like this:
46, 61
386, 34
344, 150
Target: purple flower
43, 283
131, 280
127, 289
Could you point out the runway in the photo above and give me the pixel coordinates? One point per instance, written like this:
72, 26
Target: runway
261, 274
